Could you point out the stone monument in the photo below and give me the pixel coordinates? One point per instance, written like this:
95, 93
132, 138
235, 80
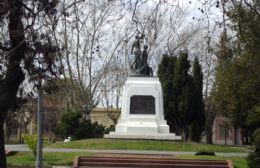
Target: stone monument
142, 115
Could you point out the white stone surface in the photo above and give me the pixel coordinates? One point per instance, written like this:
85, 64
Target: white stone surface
142, 126
157, 136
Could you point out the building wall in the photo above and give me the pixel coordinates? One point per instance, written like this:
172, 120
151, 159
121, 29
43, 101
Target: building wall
101, 116
219, 126
13, 134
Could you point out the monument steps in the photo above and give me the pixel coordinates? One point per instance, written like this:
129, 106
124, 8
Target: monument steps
148, 127
153, 136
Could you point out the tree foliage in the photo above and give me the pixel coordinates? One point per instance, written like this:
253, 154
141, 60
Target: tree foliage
27, 51
237, 71
31, 142
198, 104
166, 73
182, 92
183, 88
72, 125
254, 157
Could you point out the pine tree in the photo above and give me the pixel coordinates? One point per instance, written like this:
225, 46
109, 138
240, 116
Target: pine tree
182, 93
166, 74
183, 87
162, 68
198, 112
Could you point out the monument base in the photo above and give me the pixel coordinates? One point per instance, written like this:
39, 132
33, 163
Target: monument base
155, 136
142, 111
142, 124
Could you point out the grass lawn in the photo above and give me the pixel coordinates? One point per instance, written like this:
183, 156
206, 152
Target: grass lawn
49, 159
145, 145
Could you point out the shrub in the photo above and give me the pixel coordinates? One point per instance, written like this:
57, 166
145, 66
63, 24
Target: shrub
68, 124
98, 130
210, 153
108, 129
89, 130
71, 124
31, 142
254, 157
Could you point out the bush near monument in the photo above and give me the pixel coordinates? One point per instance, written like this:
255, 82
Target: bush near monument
73, 125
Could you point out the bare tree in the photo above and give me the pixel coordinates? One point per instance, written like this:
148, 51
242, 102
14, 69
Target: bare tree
91, 38
111, 88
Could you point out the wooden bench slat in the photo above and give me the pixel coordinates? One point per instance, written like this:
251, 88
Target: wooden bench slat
156, 161
131, 162
149, 164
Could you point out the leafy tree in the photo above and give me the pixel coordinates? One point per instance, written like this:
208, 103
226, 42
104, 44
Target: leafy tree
254, 157
227, 83
247, 61
26, 49
237, 72
254, 117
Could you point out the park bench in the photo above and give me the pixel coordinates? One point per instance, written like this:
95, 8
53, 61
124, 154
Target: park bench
131, 162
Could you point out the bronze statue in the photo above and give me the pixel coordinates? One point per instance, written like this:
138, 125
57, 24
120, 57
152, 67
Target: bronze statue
145, 55
140, 66
136, 50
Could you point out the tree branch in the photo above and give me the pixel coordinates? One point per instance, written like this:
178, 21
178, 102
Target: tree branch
4, 48
133, 16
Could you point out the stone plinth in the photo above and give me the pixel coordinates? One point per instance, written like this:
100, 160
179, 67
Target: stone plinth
142, 114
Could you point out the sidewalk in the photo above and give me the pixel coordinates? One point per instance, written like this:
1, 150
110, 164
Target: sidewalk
24, 148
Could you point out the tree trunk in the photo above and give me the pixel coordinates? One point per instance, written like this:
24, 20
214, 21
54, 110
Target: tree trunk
246, 138
2, 147
209, 136
185, 134
235, 135
226, 130
8, 92
6, 133
14, 75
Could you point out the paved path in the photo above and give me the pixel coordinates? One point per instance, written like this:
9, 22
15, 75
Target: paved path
24, 148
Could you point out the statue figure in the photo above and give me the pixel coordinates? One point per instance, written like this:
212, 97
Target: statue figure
146, 70
140, 65
145, 55
136, 50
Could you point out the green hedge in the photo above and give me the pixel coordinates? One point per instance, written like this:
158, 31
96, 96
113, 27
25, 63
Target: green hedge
72, 125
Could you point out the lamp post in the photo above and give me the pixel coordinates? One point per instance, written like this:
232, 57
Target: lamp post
38, 162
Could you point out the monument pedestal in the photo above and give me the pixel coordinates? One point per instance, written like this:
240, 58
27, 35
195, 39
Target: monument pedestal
142, 114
